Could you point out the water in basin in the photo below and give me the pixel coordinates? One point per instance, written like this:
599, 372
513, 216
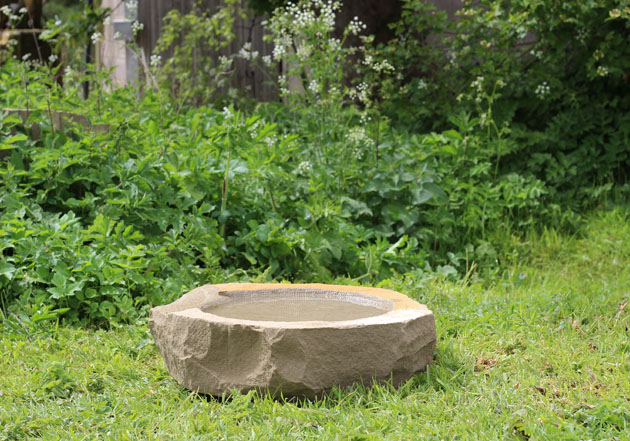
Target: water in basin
294, 310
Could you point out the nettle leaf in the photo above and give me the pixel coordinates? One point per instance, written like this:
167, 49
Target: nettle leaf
426, 192
7, 270
16, 138
107, 309
59, 280
357, 207
420, 196
57, 292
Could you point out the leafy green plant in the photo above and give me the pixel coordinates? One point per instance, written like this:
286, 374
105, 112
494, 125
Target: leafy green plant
191, 72
148, 196
550, 76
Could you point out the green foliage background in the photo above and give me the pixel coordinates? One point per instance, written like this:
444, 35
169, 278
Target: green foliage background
437, 171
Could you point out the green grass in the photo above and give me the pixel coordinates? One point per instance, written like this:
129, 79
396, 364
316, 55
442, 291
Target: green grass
542, 352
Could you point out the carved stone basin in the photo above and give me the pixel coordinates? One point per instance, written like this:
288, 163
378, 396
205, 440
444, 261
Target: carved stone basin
291, 339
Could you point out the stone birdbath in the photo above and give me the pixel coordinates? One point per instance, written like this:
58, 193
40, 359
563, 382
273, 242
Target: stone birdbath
291, 340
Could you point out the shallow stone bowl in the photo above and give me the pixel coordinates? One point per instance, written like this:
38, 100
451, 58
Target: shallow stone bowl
291, 340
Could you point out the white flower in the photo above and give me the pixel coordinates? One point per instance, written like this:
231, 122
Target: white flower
542, 90
96, 37
356, 135
224, 62
355, 26
155, 61
362, 93
304, 51
278, 51
314, 87
267, 60
136, 27
304, 167
26, 56
6, 10
117, 36
52, 58
383, 66
422, 84
107, 21
477, 84
602, 71
334, 44
271, 140
132, 6
23, 11
227, 113
67, 71
246, 52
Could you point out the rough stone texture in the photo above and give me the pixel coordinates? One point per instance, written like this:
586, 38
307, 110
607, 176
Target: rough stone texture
213, 354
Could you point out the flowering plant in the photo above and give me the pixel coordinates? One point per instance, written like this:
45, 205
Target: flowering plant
327, 69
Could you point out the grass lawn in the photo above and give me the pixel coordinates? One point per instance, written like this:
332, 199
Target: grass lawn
542, 352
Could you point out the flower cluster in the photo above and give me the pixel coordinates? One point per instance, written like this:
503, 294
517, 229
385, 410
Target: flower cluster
247, 53
8, 11
155, 61
136, 27
304, 168
96, 37
356, 26
283, 84
377, 66
314, 87
602, 71
358, 140
323, 12
271, 140
132, 7
542, 90
279, 47
477, 84
363, 93
357, 135
304, 51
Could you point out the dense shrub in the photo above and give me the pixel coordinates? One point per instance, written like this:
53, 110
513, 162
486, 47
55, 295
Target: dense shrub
336, 180
548, 78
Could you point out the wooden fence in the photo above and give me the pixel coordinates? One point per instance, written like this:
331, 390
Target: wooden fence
375, 13
249, 29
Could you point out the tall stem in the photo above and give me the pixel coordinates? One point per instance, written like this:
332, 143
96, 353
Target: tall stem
224, 193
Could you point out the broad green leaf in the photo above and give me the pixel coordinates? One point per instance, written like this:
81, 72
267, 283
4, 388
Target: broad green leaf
7, 270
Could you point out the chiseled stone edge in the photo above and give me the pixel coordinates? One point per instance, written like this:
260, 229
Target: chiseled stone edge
287, 357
